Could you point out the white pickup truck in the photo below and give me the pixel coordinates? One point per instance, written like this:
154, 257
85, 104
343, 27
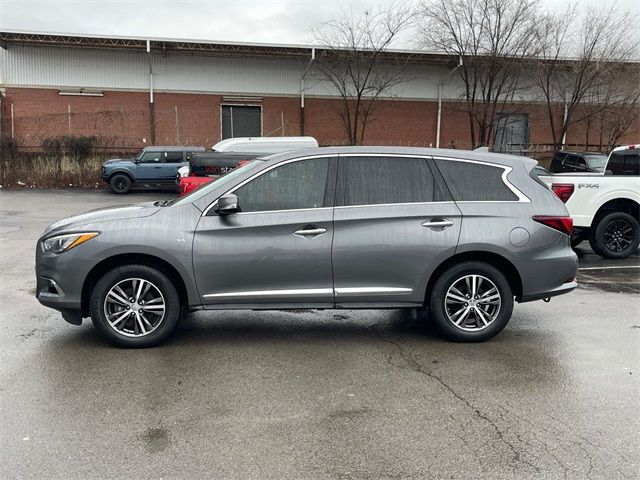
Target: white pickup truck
604, 206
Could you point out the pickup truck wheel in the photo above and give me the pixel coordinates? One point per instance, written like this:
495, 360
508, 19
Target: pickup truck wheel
135, 306
471, 302
617, 235
120, 183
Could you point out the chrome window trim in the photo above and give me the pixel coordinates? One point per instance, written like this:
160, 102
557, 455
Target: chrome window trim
394, 204
262, 172
522, 198
312, 291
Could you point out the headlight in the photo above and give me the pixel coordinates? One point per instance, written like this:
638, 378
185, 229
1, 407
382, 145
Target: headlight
184, 171
62, 243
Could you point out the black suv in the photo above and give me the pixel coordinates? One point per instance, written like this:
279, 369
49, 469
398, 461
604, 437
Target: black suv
578, 162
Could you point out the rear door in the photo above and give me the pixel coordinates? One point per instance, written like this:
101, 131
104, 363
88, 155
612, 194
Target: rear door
394, 222
172, 160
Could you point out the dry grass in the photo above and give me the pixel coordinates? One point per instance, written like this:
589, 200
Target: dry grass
37, 171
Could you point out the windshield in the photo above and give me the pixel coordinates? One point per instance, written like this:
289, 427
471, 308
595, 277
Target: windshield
208, 187
596, 162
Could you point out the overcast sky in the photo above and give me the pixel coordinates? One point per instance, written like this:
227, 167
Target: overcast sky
240, 20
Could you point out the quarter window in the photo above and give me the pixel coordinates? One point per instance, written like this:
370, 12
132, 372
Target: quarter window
475, 182
385, 180
291, 186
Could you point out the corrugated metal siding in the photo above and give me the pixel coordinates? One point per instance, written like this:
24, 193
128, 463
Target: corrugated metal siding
128, 70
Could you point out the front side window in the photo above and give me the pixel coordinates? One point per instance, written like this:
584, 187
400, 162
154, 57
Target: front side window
173, 157
385, 180
151, 157
469, 181
291, 186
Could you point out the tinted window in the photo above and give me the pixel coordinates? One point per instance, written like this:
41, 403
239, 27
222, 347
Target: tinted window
383, 180
173, 157
475, 182
151, 157
289, 187
626, 162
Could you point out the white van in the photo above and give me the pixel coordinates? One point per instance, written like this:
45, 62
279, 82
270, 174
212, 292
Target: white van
264, 144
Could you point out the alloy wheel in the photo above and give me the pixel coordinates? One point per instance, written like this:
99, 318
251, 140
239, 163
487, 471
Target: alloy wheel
618, 235
472, 303
134, 307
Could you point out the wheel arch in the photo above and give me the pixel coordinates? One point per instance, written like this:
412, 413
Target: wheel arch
121, 172
112, 262
491, 258
620, 204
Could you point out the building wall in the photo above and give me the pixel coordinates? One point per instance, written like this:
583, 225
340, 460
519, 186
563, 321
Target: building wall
122, 119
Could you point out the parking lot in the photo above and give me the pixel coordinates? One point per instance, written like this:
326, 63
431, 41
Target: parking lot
316, 394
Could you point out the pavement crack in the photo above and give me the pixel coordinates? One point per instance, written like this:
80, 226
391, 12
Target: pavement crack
412, 363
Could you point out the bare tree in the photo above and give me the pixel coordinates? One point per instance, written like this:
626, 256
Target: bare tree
493, 40
582, 67
356, 61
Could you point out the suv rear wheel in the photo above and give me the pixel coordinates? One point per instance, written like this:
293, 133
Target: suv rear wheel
135, 306
120, 183
471, 302
616, 235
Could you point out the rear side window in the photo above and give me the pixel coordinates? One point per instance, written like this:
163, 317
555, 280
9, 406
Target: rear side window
474, 182
626, 162
173, 157
385, 180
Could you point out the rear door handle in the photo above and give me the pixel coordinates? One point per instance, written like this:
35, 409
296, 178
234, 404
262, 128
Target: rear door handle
437, 223
310, 230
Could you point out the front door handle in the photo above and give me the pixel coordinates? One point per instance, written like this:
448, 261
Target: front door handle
310, 230
437, 223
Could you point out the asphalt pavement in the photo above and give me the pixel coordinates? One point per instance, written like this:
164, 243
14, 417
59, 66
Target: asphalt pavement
316, 394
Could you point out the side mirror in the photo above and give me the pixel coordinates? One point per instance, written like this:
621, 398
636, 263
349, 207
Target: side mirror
227, 204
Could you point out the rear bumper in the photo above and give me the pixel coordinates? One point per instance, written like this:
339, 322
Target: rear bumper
562, 289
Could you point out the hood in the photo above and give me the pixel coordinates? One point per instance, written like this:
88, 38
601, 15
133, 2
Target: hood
104, 214
119, 160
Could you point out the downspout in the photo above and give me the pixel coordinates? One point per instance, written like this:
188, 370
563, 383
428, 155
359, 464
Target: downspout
304, 74
440, 84
152, 110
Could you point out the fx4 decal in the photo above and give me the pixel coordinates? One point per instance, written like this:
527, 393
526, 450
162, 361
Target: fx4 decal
588, 185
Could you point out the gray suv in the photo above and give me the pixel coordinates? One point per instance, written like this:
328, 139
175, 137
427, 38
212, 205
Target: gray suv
463, 234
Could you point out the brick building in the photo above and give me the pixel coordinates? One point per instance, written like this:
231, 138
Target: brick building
133, 92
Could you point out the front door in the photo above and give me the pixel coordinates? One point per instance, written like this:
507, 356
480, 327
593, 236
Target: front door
277, 250
150, 166
394, 223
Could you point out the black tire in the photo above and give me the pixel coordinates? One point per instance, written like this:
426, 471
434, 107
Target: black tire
616, 235
577, 237
438, 308
120, 183
159, 281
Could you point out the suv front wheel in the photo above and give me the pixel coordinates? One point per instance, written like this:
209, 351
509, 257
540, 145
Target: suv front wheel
120, 183
471, 302
135, 306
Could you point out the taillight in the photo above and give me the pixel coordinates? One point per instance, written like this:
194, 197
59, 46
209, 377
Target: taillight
563, 190
562, 224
